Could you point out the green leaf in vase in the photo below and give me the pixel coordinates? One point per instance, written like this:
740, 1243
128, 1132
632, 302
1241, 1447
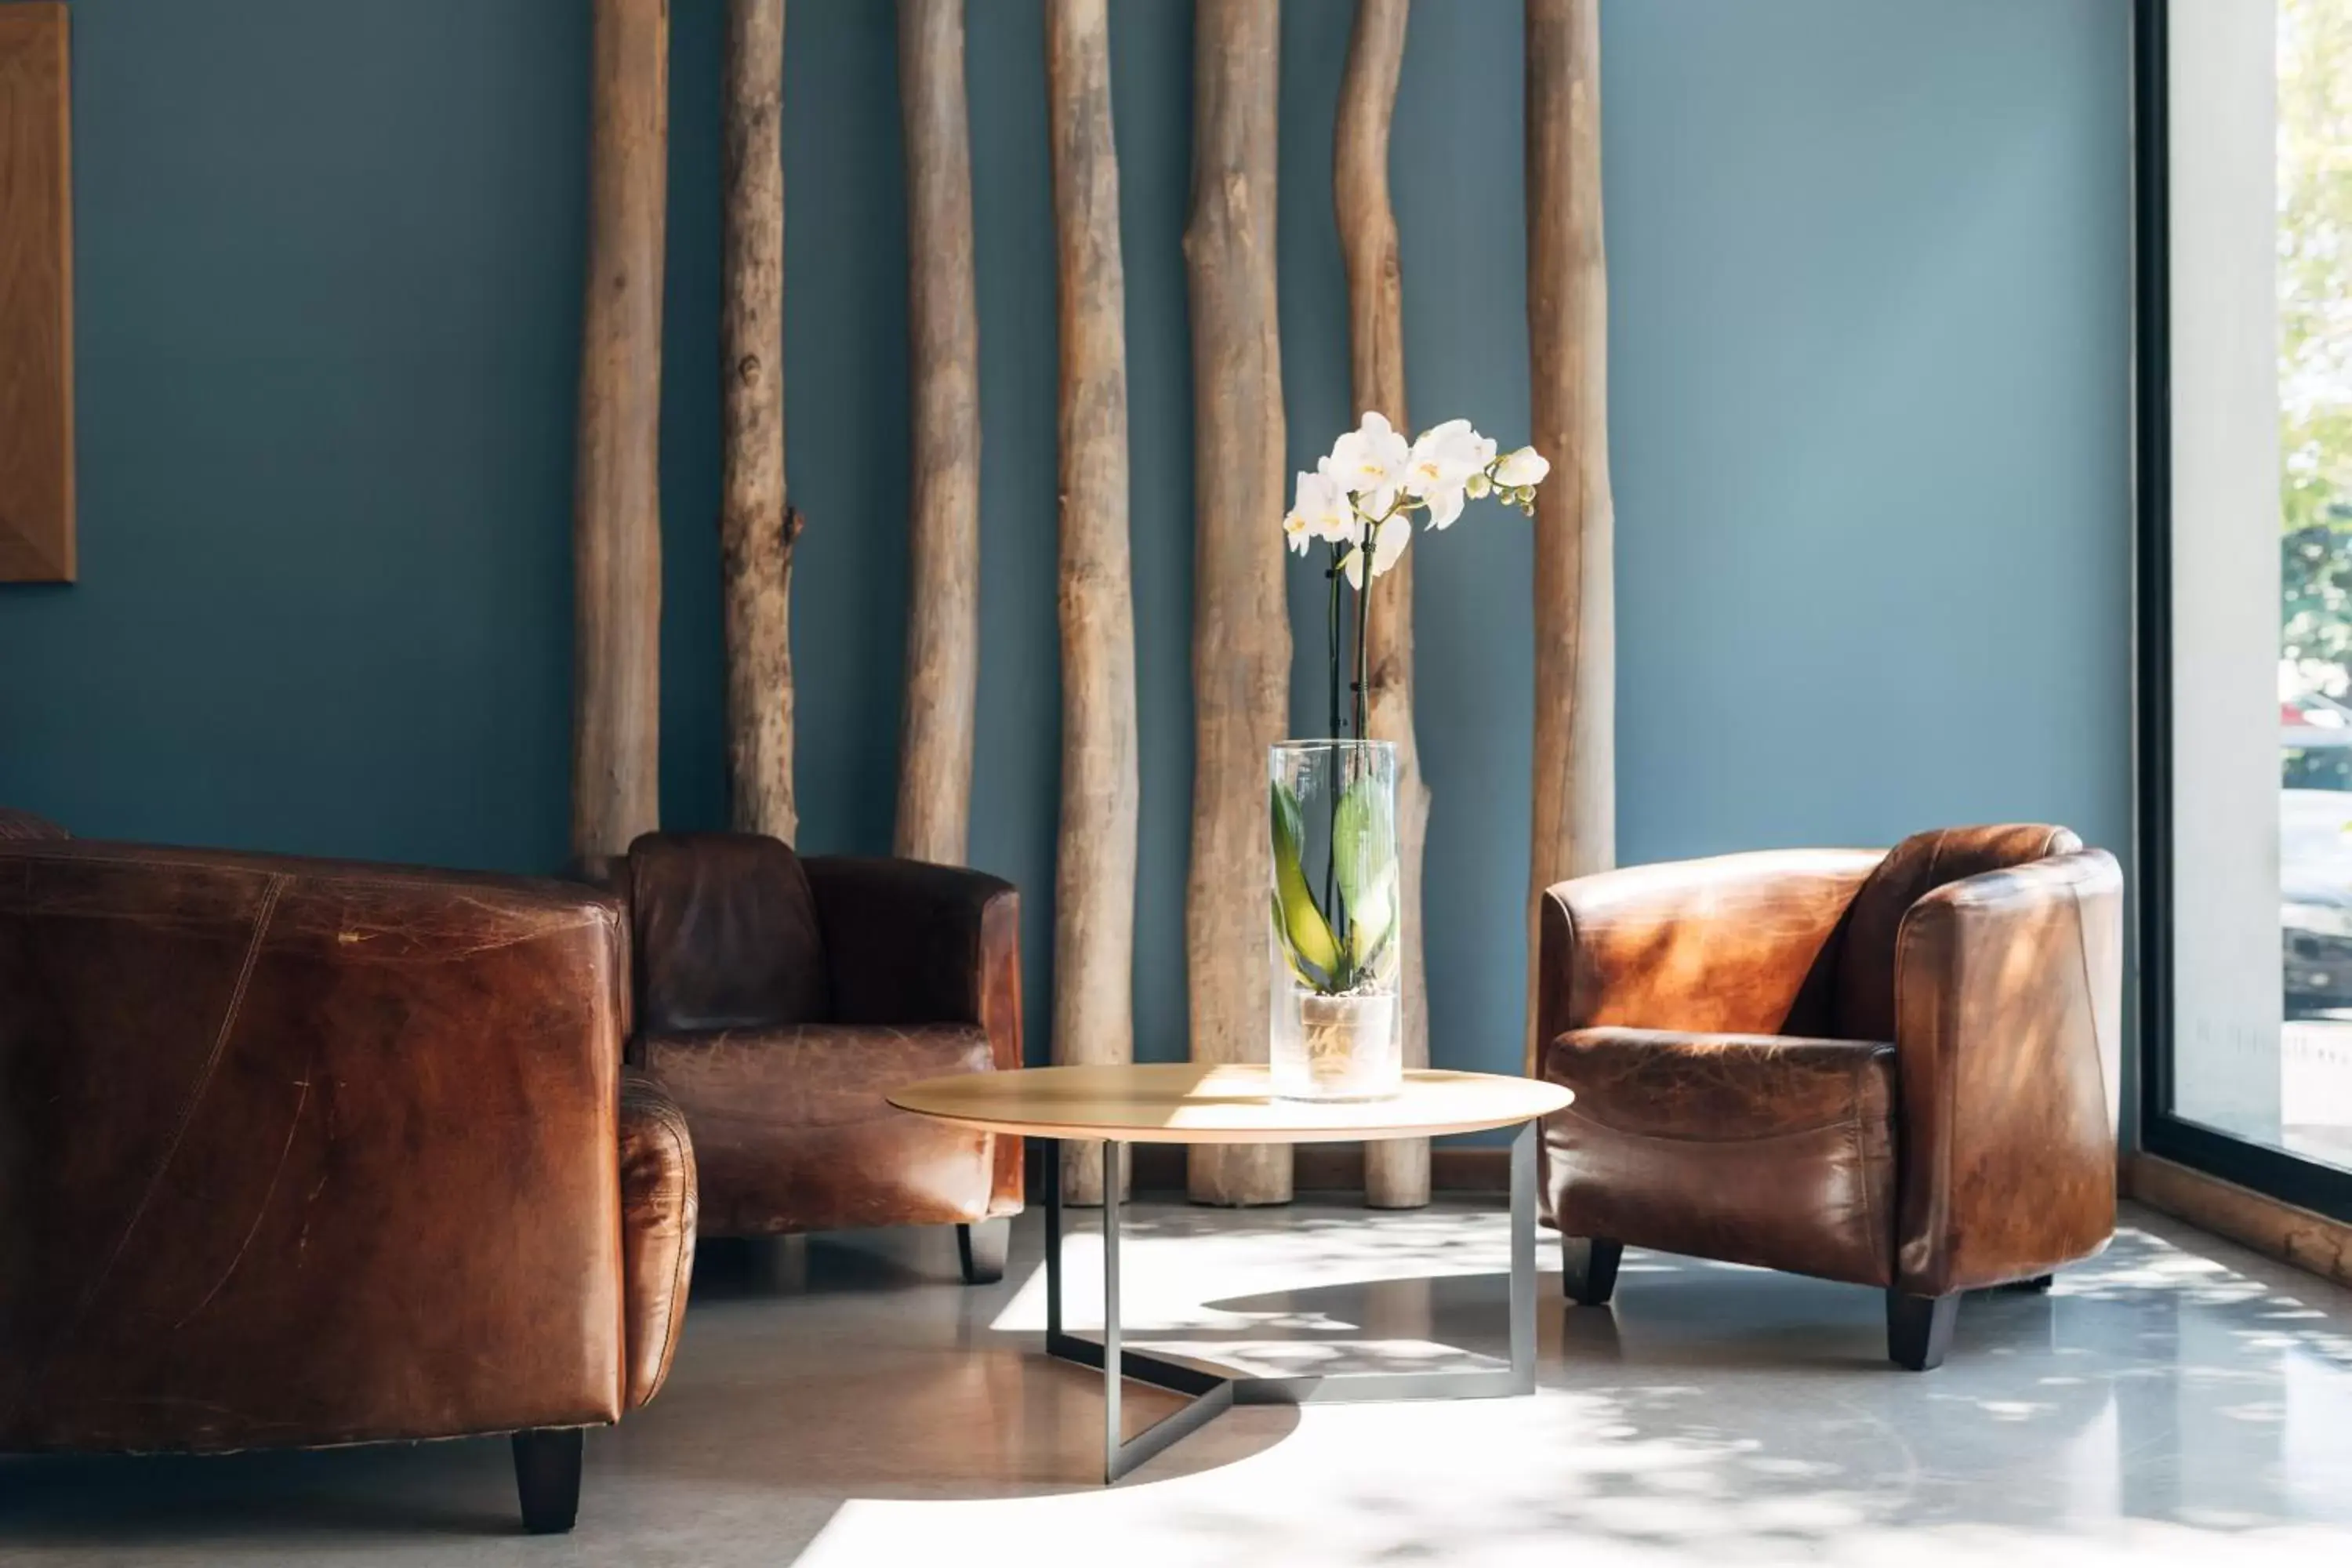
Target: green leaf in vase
1364, 856
1305, 931
1306, 974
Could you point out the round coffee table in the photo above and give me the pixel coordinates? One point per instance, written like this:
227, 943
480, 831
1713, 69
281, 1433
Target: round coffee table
1191, 1103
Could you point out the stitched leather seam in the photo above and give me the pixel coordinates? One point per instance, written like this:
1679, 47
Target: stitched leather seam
1536, 1049
1878, 1236
2090, 992
675, 1312
1835, 1124
1947, 1073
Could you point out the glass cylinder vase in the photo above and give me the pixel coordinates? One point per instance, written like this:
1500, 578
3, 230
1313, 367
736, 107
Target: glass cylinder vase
1336, 935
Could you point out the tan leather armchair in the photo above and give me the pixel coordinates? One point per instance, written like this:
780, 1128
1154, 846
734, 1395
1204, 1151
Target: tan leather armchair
779, 1000
1899, 1069
303, 1153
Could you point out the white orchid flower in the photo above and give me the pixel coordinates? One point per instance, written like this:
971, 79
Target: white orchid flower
1321, 511
1445, 457
1373, 457
1388, 545
1523, 467
1445, 505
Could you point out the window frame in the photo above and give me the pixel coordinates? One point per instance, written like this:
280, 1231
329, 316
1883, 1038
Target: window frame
2290, 1178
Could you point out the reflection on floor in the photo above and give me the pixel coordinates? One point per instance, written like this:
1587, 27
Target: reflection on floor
844, 1403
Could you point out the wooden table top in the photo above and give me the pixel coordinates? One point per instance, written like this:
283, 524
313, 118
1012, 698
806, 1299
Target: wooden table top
1190, 1102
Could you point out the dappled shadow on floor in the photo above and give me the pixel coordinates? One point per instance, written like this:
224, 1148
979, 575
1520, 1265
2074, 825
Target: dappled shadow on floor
2169, 1399
846, 1400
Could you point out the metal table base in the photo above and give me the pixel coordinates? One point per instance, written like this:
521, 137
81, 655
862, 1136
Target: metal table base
1212, 1393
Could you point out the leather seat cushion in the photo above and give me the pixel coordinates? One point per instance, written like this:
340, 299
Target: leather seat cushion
792, 1131
1759, 1148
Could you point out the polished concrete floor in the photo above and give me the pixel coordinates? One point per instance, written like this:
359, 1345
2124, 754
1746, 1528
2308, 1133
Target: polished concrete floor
843, 1402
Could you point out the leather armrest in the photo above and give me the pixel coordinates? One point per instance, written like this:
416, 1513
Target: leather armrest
1731, 945
658, 1209
2008, 997
910, 942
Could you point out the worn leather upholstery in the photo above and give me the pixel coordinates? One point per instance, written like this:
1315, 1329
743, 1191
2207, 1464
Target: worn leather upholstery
657, 1228
299, 1151
2007, 1025
791, 1125
900, 971
23, 824
1739, 945
1791, 1141
1897, 1069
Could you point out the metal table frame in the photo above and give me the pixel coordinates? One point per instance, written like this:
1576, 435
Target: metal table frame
1212, 1393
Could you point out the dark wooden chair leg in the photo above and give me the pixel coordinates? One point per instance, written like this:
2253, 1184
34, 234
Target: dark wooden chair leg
1919, 1329
982, 1246
1588, 1268
547, 1477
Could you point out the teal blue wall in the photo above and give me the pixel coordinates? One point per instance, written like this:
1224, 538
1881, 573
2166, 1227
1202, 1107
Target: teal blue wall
1869, 371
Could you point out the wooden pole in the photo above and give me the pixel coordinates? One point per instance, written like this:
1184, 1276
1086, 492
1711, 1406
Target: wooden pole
1241, 627
944, 328
616, 494
1396, 1172
1567, 336
755, 527
1093, 880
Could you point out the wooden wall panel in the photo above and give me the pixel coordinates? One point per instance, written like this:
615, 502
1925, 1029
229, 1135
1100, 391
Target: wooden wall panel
1241, 618
616, 494
37, 462
1574, 831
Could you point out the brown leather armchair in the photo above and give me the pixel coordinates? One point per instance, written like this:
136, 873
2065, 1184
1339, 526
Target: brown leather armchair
1899, 1069
780, 999
302, 1154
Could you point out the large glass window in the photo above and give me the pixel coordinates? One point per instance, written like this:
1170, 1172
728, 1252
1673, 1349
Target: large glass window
2245, 144
2315, 383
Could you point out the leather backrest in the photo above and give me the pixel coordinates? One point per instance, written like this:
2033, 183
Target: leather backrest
1922, 863
725, 934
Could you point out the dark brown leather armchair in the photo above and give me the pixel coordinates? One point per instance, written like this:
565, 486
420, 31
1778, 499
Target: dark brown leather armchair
780, 999
1899, 1069
296, 1152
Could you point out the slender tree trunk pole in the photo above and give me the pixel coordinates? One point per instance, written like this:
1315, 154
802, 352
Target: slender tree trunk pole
1094, 882
755, 527
616, 490
1241, 629
1575, 829
943, 327
1396, 1172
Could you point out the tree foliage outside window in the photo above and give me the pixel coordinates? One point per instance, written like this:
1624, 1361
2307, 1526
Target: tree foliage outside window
2314, 276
